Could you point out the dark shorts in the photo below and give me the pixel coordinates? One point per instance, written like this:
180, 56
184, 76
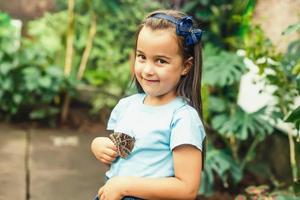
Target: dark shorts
125, 198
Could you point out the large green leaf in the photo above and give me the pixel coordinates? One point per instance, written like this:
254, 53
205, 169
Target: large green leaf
291, 29
217, 104
219, 162
241, 124
5, 67
221, 68
294, 117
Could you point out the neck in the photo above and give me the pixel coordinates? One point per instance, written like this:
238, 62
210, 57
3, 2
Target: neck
158, 100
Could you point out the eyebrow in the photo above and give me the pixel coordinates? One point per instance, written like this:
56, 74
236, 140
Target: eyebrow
159, 56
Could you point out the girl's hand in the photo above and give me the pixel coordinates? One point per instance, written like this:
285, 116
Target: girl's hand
113, 189
104, 150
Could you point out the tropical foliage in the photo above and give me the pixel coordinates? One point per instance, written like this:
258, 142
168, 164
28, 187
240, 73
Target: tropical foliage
30, 82
82, 51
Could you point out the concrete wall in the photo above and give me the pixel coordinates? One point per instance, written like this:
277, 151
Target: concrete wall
274, 16
26, 9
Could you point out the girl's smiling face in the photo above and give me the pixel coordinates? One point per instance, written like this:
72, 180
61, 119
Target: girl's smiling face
158, 64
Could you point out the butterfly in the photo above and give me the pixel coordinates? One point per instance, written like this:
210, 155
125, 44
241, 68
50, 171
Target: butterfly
123, 142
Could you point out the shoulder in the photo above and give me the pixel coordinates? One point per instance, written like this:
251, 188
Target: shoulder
186, 112
187, 128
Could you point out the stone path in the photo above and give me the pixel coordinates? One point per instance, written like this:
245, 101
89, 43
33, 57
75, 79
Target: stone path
39, 164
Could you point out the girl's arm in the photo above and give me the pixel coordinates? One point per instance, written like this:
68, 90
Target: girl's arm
185, 184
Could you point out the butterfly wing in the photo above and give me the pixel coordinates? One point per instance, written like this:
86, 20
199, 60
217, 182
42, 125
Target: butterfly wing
123, 142
127, 144
128, 141
114, 138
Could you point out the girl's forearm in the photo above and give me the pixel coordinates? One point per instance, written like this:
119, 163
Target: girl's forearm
159, 188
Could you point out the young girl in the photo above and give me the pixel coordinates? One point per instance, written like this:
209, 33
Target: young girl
162, 119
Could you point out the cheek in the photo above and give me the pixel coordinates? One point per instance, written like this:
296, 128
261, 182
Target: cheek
137, 69
170, 73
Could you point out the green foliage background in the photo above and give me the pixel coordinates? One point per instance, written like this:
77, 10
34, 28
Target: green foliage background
32, 80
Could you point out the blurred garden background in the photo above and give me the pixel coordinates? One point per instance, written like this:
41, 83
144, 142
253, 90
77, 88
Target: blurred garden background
66, 63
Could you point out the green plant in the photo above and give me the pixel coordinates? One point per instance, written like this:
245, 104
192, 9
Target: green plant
294, 117
9, 44
226, 24
226, 21
219, 161
280, 70
239, 131
30, 82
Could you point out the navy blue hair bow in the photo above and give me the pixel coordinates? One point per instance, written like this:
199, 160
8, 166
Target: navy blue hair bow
184, 28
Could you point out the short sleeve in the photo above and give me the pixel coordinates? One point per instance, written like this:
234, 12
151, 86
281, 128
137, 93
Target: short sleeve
116, 114
187, 128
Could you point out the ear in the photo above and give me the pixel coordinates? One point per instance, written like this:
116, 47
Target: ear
187, 65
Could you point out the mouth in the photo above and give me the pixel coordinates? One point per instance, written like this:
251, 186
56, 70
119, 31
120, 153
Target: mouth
151, 81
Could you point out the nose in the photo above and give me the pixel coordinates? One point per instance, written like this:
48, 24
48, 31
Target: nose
148, 69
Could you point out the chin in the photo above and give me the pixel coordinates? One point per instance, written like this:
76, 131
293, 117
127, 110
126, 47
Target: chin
152, 94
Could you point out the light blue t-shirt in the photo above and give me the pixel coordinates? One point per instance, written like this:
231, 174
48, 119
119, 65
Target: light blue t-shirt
157, 131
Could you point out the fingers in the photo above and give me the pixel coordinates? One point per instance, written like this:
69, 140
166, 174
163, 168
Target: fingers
107, 159
100, 193
111, 152
108, 155
101, 143
111, 145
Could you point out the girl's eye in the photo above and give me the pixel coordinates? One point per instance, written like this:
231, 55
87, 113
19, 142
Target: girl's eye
141, 56
160, 61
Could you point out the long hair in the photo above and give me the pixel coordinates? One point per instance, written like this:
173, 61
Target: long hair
189, 85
